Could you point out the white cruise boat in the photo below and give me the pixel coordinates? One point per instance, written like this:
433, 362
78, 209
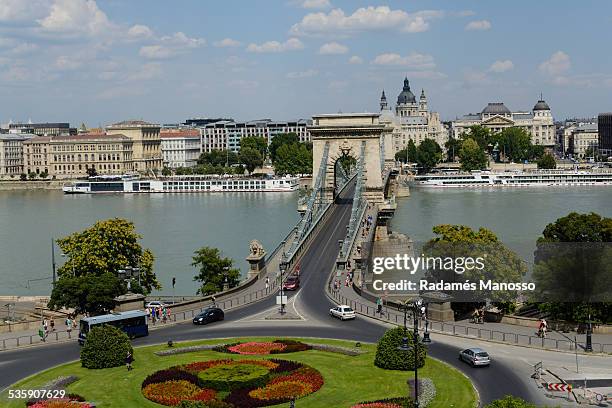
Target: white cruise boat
534, 178
183, 184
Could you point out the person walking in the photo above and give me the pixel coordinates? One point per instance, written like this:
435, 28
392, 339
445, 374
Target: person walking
164, 315
267, 283
52, 324
379, 306
128, 360
68, 325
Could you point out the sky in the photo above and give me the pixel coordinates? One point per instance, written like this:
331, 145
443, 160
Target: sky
103, 61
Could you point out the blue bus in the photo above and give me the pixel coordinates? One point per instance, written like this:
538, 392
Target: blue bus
133, 323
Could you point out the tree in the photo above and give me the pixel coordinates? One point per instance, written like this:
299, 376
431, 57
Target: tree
44, 174
251, 158
106, 347
107, 247
547, 162
92, 172
510, 401
536, 152
294, 158
429, 153
166, 172
390, 358
87, 293
572, 268
32, 175
458, 243
347, 162
218, 158
213, 269
258, 143
452, 147
411, 152
402, 156
280, 140
514, 143
480, 135
472, 157
23, 177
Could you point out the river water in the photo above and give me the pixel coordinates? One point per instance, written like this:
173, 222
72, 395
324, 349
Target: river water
175, 225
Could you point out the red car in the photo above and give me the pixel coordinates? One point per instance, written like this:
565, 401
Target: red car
292, 283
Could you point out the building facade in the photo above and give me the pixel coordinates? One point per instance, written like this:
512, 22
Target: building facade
411, 119
538, 122
42, 129
147, 155
604, 125
11, 154
584, 140
180, 147
226, 135
73, 156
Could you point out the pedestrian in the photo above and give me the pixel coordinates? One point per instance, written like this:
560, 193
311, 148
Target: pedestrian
347, 281
52, 325
267, 283
164, 315
74, 323
128, 360
379, 306
45, 325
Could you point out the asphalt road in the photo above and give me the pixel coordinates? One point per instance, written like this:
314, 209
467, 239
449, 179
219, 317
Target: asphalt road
492, 382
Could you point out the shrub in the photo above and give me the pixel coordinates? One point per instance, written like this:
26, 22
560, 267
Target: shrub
227, 377
402, 402
170, 375
106, 346
390, 358
510, 402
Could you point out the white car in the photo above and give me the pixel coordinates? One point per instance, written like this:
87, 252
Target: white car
155, 303
343, 312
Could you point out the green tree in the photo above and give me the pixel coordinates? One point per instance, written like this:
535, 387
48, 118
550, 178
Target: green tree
536, 152
348, 163
411, 152
91, 171
514, 143
251, 158
93, 294
254, 142
472, 157
32, 175
23, 177
452, 147
107, 247
480, 135
213, 270
547, 162
294, 158
390, 358
429, 154
218, 158
44, 174
166, 172
280, 140
402, 156
106, 347
572, 268
510, 401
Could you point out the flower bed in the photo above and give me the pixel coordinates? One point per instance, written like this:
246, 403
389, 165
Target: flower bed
243, 383
69, 401
264, 348
387, 403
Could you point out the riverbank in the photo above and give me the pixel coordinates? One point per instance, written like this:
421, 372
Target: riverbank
18, 185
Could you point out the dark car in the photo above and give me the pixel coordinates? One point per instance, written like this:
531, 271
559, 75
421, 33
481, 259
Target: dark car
212, 314
292, 283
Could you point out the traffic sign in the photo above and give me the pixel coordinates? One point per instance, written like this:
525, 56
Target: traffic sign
560, 387
281, 300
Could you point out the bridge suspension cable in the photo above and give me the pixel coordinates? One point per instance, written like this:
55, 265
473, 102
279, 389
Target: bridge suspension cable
358, 205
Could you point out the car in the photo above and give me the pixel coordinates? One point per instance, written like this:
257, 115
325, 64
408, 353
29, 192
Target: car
343, 312
155, 303
209, 315
292, 283
475, 356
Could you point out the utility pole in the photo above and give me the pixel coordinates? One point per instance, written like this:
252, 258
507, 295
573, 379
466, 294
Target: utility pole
53, 260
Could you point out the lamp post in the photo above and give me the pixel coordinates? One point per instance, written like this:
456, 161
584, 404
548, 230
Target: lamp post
283, 267
225, 282
405, 347
53, 261
426, 338
589, 339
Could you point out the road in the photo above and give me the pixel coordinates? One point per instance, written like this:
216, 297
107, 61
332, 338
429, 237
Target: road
310, 302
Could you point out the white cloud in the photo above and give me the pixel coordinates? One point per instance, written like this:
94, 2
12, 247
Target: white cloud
139, 32
315, 4
23, 10
557, 64
333, 48
465, 13
73, 18
227, 42
501, 66
24, 48
291, 44
303, 74
147, 72
171, 46
364, 19
478, 25
413, 60
355, 60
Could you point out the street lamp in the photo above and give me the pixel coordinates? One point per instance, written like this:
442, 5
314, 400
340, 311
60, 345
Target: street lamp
225, 282
283, 267
416, 306
426, 338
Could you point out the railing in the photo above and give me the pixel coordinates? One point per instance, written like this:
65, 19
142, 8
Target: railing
393, 316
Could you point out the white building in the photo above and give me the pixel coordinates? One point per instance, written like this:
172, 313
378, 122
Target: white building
226, 134
180, 147
496, 116
11, 154
583, 137
411, 120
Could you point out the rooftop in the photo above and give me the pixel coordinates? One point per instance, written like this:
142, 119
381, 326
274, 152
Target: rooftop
496, 108
133, 123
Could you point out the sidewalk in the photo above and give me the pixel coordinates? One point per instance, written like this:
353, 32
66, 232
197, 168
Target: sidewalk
497, 332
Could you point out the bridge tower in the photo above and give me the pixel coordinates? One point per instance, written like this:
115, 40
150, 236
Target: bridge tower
343, 134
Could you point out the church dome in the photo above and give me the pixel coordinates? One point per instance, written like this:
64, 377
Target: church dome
541, 105
496, 108
406, 96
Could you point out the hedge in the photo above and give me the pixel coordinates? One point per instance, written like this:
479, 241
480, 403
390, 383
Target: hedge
390, 358
106, 346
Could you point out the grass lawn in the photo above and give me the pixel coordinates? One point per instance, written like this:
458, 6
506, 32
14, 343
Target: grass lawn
348, 379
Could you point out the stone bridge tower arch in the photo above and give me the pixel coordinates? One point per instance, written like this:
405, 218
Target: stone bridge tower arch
345, 133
